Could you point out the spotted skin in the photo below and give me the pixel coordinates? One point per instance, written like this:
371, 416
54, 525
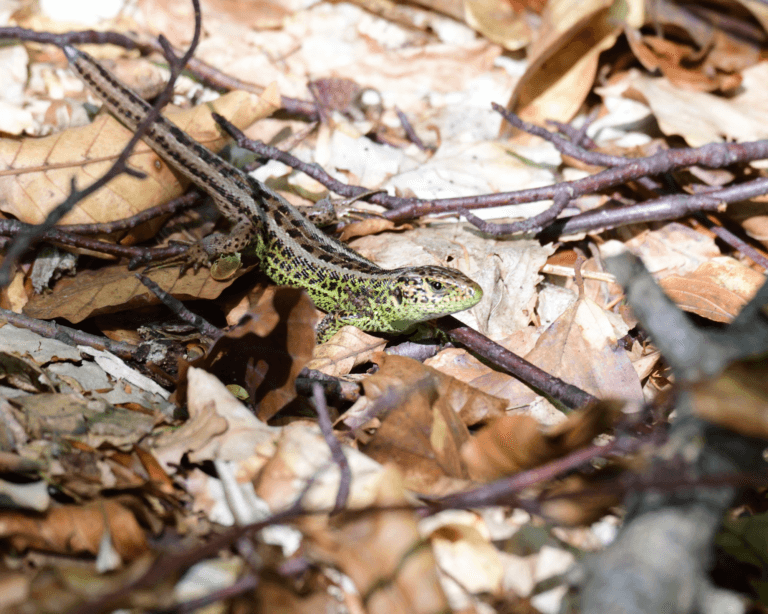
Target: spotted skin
292, 251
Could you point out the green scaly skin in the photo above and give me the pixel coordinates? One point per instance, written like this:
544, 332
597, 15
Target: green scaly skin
291, 250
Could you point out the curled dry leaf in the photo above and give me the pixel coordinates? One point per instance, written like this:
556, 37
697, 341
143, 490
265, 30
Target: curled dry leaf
563, 60
75, 530
505, 23
348, 348
219, 427
424, 416
393, 569
302, 459
36, 173
265, 352
515, 443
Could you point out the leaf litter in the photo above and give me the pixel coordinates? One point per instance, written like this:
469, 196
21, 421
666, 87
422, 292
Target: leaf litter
131, 477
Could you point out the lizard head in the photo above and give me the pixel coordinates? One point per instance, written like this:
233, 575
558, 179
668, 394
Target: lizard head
425, 292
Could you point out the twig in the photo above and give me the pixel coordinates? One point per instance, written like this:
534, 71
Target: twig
57, 236
172, 206
409, 131
205, 72
659, 209
561, 201
71, 336
568, 395
180, 310
25, 239
502, 491
312, 170
337, 453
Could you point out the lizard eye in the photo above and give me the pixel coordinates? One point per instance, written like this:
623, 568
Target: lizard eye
436, 285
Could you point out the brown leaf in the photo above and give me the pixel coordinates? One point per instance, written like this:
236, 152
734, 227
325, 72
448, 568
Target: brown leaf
707, 59
219, 427
72, 529
563, 60
35, 174
345, 350
265, 352
426, 423
577, 500
393, 569
115, 288
370, 226
301, 466
737, 399
717, 290
515, 443
94, 422
500, 21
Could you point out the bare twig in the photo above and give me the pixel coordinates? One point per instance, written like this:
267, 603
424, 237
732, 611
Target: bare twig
180, 310
205, 72
71, 336
568, 395
536, 222
409, 131
56, 236
25, 239
337, 453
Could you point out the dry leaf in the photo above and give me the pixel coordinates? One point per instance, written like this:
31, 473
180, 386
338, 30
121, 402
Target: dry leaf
302, 466
347, 348
563, 60
462, 551
717, 290
708, 59
392, 568
75, 530
94, 422
500, 21
425, 421
515, 443
219, 427
577, 500
701, 117
35, 174
115, 288
265, 352
736, 400
370, 226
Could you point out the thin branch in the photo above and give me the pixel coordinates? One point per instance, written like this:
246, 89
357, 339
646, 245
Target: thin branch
56, 236
71, 336
568, 395
659, 209
337, 453
410, 133
536, 222
25, 239
180, 310
204, 72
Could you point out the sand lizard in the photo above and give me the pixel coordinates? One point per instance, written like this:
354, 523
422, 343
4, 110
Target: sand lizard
291, 250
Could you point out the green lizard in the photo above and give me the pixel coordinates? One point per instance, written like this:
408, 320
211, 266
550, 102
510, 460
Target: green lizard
291, 250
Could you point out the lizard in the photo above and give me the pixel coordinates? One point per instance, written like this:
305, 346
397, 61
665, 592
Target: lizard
291, 250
